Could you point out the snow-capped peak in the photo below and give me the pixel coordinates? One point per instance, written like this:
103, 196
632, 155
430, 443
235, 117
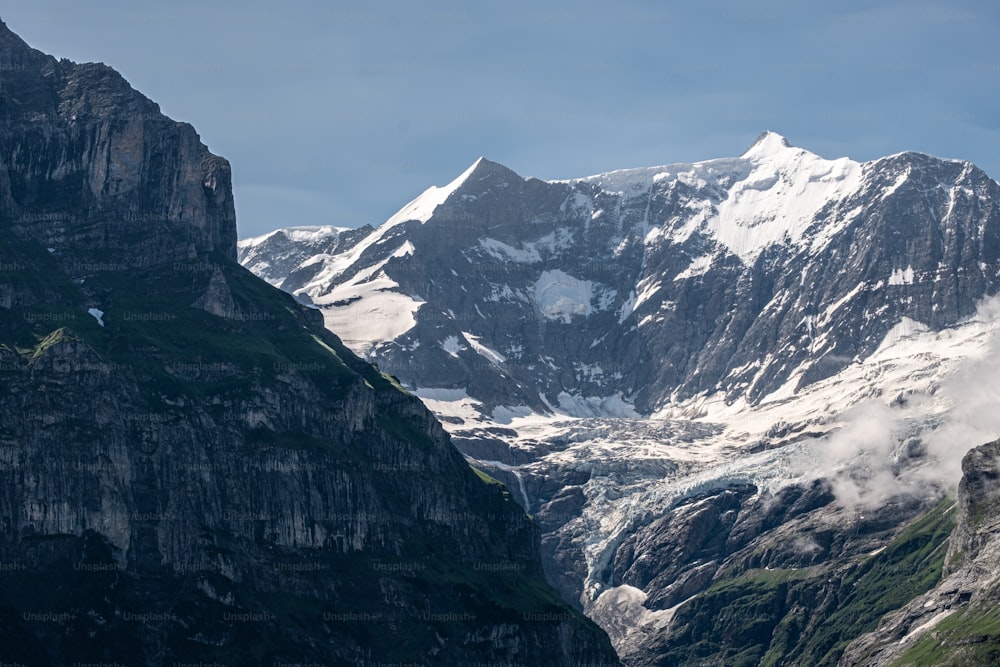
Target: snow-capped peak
301, 234
422, 208
769, 144
311, 233
781, 195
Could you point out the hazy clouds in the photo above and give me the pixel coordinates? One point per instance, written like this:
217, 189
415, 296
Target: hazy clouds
887, 447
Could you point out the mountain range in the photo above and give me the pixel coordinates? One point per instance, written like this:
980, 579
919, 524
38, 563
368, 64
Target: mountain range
743, 278
729, 412
734, 394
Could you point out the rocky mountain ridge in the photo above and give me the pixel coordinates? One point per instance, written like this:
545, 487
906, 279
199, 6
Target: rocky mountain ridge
748, 277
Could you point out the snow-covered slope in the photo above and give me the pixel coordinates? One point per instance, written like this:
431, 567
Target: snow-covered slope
423, 207
277, 255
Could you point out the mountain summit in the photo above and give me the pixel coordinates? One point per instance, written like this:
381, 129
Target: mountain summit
767, 143
471, 180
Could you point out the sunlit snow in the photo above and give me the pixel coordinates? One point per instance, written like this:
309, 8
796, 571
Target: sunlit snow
452, 346
902, 276
562, 297
492, 355
781, 195
423, 207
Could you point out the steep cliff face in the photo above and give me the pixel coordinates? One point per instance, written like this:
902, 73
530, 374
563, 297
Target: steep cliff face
957, 622
787, 582
191, 468
92, 168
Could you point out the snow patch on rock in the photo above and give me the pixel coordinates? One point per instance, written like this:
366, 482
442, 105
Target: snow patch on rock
452, 346
508, 253
902, 276
492, 355
561, 297
697, 267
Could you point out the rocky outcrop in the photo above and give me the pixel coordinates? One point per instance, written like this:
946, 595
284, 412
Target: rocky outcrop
91, 168
192, 470
955, 622
676, 556
679, 555
795, 593
978, 533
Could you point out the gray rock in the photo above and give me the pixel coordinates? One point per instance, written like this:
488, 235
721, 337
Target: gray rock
668, 311
92, 168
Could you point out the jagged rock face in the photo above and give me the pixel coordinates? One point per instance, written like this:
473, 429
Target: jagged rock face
694, 533
790, 577
91, 167
954, 623
193, 470
678, 556
283, 256
739, 276
978, 503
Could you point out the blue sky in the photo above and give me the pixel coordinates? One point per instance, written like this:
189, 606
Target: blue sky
340, 113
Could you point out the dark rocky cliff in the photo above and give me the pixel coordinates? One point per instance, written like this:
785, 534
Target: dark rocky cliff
191, 468
92, 167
